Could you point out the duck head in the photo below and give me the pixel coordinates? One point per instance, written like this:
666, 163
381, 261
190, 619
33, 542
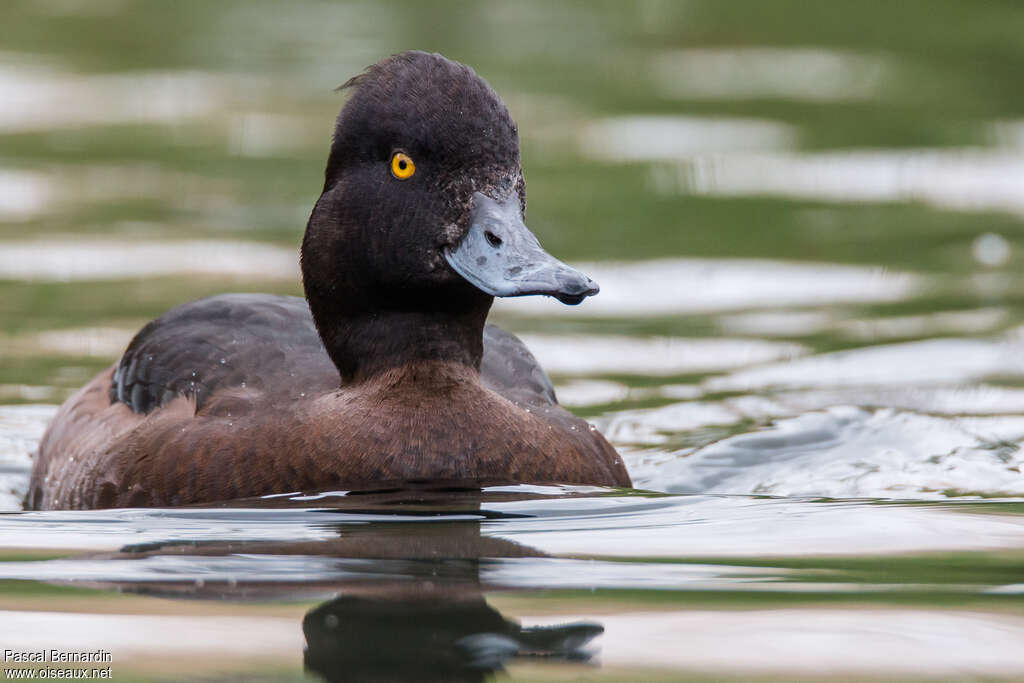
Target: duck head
422, 206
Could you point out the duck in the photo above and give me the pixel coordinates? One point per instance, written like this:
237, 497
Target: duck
387, 373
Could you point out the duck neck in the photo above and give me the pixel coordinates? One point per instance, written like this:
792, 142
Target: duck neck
366, 345
374, 310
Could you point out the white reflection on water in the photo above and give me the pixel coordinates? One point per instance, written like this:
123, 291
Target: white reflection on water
679, 286
960, 179
21, 427
587, 354
726, 526
261, 134
825, 643
68, 187
847, 452
927, 362
991, 249
643, 138
801, 323
956, 400
777, 323
813, 74
1008, 134
655, 426
721, 156
93, 259
23, 193
27, 392
102, 342
925, 443
588, 392
34, 98
928, 324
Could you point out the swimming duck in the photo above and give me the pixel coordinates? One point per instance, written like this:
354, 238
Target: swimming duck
386, 373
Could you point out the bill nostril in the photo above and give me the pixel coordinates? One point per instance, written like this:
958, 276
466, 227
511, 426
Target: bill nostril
492, 239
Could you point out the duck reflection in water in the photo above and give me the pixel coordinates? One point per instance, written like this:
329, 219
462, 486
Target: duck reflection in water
410, 602
356, 638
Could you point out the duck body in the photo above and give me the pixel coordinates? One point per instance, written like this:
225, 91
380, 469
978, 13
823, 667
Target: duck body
387, 372
234, 396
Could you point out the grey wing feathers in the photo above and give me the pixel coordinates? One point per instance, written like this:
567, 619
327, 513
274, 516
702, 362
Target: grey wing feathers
509, 368
221, 341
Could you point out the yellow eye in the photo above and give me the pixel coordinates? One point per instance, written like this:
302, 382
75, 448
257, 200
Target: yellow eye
402, 166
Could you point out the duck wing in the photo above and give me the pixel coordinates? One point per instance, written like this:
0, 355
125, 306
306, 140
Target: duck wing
260, 341
510, 369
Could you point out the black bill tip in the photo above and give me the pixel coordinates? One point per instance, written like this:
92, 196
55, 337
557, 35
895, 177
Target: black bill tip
576, 289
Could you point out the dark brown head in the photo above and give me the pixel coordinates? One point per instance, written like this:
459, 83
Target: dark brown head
422, 207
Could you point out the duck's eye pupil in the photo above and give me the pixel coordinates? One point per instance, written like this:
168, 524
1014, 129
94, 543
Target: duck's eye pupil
402, 164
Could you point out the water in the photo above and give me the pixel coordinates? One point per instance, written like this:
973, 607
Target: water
807, 223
